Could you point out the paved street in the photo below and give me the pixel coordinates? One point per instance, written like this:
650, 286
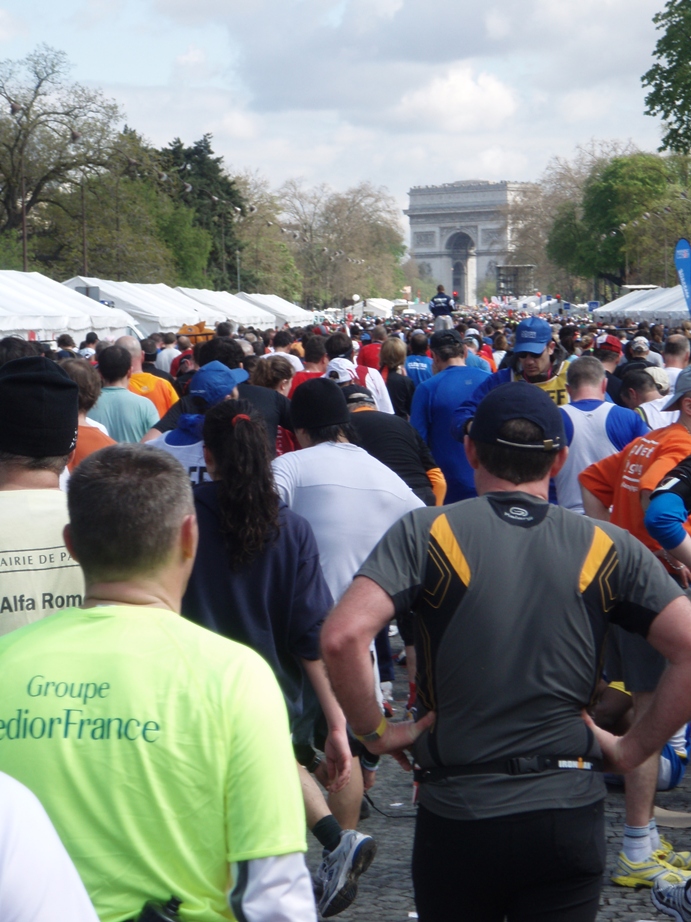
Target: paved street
386, 894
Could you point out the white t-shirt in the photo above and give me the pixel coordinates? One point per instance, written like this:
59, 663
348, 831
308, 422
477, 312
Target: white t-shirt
655, 416
37, 878
672, 373
293, 359
37, 575
165, 357
349, 498
190, 456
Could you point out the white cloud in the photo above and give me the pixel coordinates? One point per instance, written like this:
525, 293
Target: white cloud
459, 101
498, 25
11, 26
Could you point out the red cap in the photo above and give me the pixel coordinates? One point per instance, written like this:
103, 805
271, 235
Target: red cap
609, 344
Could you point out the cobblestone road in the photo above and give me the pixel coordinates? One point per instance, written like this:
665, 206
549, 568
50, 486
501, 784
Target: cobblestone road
386, 893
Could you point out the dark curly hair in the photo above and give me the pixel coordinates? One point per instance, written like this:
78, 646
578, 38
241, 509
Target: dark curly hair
236, 436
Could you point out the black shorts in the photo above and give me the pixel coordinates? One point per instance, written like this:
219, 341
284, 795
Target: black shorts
544, 866
630, 659
406, 629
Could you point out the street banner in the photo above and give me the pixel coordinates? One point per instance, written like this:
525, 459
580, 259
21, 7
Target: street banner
682, 261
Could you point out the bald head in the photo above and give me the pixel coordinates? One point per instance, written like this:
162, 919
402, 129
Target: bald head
135, 350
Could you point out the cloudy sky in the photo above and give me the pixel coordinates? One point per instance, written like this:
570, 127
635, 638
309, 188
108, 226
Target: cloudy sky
398, 92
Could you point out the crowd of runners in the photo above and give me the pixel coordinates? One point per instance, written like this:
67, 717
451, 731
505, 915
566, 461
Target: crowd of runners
512, 493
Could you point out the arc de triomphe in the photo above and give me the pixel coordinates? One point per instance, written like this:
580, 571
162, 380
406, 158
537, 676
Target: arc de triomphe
459, 232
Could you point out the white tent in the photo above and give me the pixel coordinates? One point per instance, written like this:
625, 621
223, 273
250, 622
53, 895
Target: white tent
209, 314
284, 311
152, 313
656, 305
34, 306
377, 307
232, 308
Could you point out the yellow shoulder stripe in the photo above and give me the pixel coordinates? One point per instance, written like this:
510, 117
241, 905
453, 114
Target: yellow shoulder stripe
445, 538
599, 549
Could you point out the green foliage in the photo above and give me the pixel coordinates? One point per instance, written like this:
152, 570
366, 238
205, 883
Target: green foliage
669, 79
11, 251
343, 242
201, 183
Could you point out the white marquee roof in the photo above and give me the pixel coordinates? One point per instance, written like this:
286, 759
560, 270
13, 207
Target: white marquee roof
284, 311
233, 308
32, 305
658, 304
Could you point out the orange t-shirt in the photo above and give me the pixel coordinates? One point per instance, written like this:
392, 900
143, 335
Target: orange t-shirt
619, 479
159, 391
89, 440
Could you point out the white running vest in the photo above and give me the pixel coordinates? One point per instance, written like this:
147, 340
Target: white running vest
590, 443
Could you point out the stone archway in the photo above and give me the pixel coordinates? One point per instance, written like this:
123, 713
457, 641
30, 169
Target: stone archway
461, 248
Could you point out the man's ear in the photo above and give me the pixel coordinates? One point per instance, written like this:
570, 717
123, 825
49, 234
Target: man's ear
471, 452
189, 536
559, 461
69, 544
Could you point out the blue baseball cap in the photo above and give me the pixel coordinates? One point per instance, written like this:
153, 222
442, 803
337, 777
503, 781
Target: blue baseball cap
215, 381
518, 400
532, 335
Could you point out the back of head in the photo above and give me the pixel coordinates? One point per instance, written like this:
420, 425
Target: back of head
641, 382
282, 339
114, 363
447, 344
585, 372
272, 371
378, 333
319, 407
169, 339
517, 431
12, 347
393, 353
339, 346
418, 344
149, 349
38, 414
132, 345
184, 343
677, 346
236, 437
126, 505
91, 338
224, 329
87, 380
226, 351
65, 341
315, 350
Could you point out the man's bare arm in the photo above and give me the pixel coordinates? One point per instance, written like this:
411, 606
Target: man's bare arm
594, 507
670, 633
359, 616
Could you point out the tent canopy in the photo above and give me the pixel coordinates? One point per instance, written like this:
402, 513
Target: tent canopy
152, 312
283, 310
34, 306
377, 307
233, 308
658, 304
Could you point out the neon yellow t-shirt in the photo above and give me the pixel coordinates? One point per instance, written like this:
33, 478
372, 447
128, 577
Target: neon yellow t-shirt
160, 751
554, 387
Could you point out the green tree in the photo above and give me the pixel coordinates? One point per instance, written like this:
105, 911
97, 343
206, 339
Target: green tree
267, 262
50, 130
669, 79
201, 182
343, 242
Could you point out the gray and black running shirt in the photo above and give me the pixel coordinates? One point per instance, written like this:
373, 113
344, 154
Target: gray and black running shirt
512, 598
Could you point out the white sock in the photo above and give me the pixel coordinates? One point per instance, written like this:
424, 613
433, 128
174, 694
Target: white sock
654, 835
637, 845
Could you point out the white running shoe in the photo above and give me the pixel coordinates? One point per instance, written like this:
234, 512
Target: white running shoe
339, 871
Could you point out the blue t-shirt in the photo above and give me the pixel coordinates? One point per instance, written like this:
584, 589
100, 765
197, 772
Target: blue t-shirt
431, 414
419, 368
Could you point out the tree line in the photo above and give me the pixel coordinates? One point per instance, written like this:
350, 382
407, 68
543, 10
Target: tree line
81, 196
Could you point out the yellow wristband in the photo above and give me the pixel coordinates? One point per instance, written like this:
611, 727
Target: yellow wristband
375, 734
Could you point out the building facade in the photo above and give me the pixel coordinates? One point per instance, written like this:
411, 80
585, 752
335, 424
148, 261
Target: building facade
459, 232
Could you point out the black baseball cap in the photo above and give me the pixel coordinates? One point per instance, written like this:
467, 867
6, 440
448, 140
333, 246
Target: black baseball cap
518, 400
445, 338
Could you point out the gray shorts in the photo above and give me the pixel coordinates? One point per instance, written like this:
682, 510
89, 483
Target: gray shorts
630, 659
443, 322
